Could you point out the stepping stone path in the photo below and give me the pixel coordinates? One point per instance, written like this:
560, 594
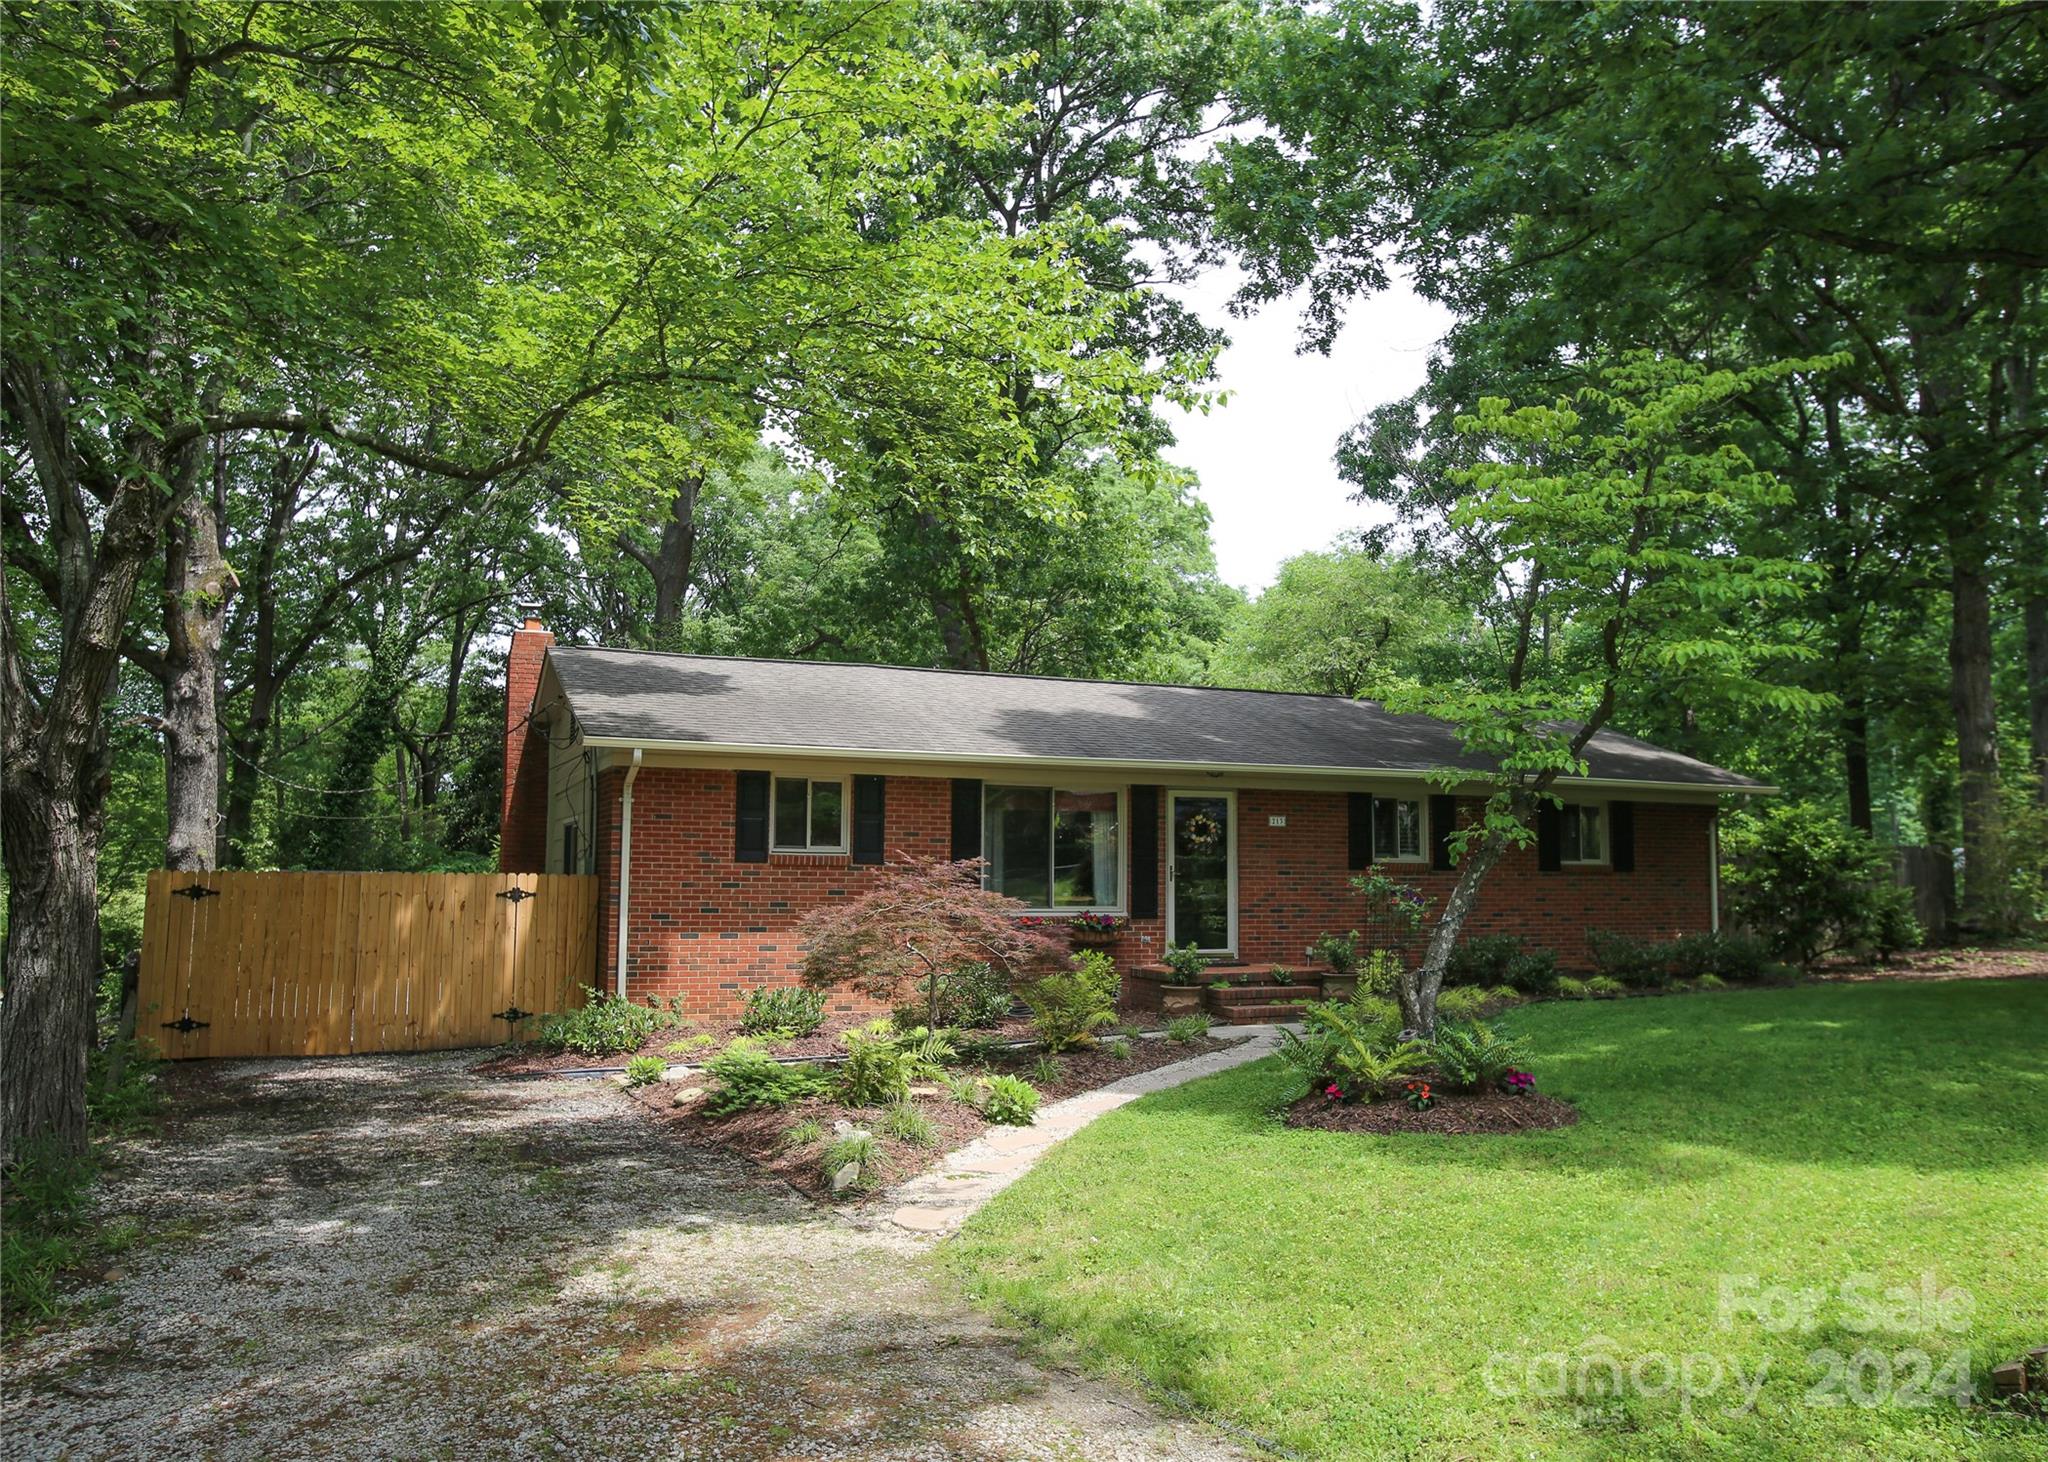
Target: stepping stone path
937, 1202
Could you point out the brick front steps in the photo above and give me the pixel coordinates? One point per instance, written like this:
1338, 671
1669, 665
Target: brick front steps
1259, 1004
1254, 997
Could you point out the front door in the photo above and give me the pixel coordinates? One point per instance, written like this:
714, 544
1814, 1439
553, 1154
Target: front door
1201, 871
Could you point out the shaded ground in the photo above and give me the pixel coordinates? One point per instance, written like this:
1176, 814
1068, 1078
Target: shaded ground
390, 1256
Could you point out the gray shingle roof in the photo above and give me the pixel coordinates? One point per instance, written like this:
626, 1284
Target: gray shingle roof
643, 696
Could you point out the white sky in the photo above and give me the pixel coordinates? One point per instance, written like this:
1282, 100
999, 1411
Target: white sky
1265, 456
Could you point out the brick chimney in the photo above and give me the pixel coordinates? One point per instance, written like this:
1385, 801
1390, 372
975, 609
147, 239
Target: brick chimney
523, 815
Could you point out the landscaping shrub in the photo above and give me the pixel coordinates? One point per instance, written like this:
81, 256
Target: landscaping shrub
1185, 962
971, 996
1571, 988
1473, 1056
748, 1077
1187, 1029
1640, 964
787, 1011
804, 1133
1119, 1048
606, 1025
1487, 960
964, 1089
1352, 1045
1010, 1101
1605, 987
1380, 973
1735, 957
1462, 1003
881, 1062
645, 1070
1069, 1006
1338, 951
1045, 1071
1808, 884
907, 1124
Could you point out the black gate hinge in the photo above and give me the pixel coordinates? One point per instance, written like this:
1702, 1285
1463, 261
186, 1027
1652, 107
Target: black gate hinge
185, 1025
518, 894
196, 892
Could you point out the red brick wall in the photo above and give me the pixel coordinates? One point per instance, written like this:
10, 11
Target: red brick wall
709, 928
523, 812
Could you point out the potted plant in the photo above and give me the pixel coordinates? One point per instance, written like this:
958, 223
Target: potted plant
1339, 952
1182, 994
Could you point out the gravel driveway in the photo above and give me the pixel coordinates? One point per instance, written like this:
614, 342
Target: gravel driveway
389, 1257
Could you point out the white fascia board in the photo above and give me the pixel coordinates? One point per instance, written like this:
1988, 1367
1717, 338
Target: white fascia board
701, 751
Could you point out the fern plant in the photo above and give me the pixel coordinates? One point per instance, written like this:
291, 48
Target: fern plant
1473, 1056
1353, 1045
882, 1062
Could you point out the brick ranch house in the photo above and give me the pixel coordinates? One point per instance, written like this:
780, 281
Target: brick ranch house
716, 799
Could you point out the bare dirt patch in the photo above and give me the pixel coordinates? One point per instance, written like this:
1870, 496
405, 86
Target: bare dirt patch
1455, 1114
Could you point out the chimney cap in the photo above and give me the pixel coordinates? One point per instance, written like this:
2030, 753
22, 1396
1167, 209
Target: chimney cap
530, 613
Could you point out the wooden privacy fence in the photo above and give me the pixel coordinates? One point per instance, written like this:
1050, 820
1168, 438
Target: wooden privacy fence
329, 964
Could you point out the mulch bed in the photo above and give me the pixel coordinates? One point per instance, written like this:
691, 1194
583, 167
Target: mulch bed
1963, 962
527, 1061
761, 1136
1455, 1114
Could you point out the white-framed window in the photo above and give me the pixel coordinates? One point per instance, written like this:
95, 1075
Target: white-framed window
1055, 849
1582, 836
1397, 829
808, 815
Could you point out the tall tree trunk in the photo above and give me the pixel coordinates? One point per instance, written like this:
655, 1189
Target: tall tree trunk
53, 775
52, 965
1856, 759
2036, 614
671, 563
1418, 989
1976, 718
197, 586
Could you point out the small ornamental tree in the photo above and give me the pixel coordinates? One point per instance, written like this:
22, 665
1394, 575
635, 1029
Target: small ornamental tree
1611, 523
921, 919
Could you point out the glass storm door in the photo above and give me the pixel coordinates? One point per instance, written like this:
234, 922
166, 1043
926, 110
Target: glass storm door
1201, 857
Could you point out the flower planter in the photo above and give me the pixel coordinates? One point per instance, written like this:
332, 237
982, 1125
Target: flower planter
1339, 987
1086, 938
1178, 1000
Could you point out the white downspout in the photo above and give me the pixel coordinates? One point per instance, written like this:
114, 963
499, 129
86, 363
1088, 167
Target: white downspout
625, 866
1713, 871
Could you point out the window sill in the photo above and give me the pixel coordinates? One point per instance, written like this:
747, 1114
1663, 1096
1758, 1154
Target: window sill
807, 855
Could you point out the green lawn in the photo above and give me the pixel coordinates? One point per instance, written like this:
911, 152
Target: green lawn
1343, 1295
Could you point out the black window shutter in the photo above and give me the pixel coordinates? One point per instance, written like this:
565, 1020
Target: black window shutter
1144, 846
1443, 821
1359, 827
750, 818
1549, 838
1621, 836
867, 819
966, 818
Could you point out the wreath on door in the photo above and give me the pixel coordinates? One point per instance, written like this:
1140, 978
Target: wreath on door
1202, 831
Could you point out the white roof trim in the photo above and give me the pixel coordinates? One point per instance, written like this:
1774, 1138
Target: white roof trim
715, 748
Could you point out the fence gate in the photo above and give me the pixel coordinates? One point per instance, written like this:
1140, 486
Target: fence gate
329, 964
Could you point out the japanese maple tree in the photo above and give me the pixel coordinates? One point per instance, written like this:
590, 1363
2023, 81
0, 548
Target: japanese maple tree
919, 920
